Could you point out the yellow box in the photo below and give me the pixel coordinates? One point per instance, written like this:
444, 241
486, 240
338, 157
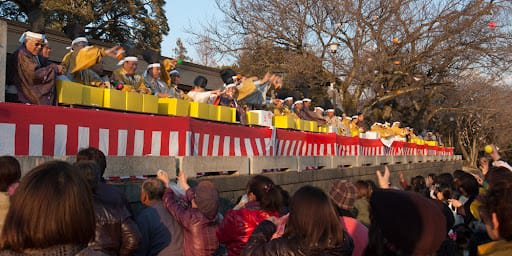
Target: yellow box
221, 114
299, 124
285, 122
172, 106
199, 110
149, 103
134, 101
114, 99
431, 142
323, 128
252, 118
69, 92
233, 115
93, 96
310, 126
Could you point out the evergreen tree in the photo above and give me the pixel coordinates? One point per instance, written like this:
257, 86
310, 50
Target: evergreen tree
180, 51
138, 23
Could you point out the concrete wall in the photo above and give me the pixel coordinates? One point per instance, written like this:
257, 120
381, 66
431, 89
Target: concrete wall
198, 166
232, 187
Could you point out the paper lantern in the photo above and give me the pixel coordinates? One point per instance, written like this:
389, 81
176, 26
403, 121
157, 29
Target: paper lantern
396, 62
179, 62
396, 40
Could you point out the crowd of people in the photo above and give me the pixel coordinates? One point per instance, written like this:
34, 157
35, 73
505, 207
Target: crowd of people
59, 208
31, 78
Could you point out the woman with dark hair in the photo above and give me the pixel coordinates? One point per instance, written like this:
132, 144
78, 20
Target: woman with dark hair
468, 187
264, 199
10, 173
496, 213
199, 93
51, 213
313, 228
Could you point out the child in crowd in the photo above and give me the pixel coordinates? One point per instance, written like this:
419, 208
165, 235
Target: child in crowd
199, 219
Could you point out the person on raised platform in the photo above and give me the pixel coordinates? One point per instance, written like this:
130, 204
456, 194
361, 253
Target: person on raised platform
44, 57
198, 93
168, 66
84, 63
297, 109
69, 60
288, 103
153, 81
27, 80
278, 109
125, 76
333, 121
310, 115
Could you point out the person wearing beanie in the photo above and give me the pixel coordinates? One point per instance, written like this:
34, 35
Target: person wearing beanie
199, 221
343, 194
404, 223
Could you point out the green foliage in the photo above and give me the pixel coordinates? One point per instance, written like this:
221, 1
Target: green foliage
139, 23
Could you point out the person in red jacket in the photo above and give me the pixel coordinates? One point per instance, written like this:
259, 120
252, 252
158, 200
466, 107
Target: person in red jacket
263, 200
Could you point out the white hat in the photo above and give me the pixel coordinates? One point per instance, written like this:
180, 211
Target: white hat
230, 85
306, 100
319, 108
153, 65
396, 123
128, 58
29, 34
298, 102
348, 118
330, 110
354, 117
288, 98
77, 40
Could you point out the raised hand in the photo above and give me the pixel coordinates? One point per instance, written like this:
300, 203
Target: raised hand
383, 178
163, 176
182, 180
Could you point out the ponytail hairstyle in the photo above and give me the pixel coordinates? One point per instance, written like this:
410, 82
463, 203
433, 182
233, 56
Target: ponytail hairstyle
268, 194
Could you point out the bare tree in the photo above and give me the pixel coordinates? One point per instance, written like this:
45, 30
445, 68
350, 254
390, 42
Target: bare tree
390, 52
481, 116
205, 51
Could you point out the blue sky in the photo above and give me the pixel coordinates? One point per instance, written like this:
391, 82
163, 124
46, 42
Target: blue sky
185, 14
